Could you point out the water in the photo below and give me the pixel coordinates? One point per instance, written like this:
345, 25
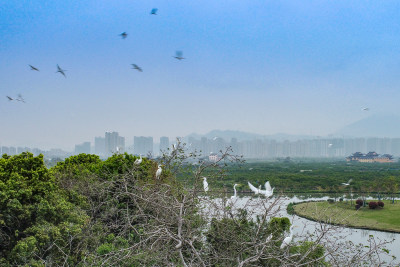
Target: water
306, 227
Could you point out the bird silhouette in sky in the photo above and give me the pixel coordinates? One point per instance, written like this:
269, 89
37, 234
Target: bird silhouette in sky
20, 98
154, 11
136, 67
365, 109
33, 68
178, 55
123, 35
60, 70
10, 98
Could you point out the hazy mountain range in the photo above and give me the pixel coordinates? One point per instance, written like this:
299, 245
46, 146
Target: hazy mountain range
372, 126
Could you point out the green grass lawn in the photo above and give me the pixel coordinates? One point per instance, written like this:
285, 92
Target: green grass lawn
386, 218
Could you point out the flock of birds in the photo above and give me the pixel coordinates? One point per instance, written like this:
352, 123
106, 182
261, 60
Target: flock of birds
124, 35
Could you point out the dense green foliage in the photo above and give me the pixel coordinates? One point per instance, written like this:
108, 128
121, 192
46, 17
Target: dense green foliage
313, 176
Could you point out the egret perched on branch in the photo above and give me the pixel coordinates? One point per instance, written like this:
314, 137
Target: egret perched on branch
289, 238
205, 184
234, 190
138, 161
158, 172
348, 183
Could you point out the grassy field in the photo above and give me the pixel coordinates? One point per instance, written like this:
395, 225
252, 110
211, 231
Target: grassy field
386, 218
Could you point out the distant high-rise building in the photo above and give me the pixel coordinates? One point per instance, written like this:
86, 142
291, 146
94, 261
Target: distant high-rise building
82, 148
5, 150
164, 143
100, 146
114, 143
143, 145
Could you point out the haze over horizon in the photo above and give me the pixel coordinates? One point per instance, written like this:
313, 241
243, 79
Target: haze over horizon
263, 67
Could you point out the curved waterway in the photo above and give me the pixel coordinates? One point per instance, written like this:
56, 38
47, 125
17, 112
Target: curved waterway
307, 227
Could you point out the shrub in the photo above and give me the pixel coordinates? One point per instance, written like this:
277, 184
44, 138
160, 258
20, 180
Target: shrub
359, 202
372, 204
341, 199
330, 200
381, 204
358, 207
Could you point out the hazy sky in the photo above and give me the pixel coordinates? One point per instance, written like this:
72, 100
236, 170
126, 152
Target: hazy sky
297, 67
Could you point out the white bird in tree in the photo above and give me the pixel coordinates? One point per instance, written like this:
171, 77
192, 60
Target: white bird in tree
348, 183
288, 239
205, 184
60, 70
136, 67
158, 172
178, 55
234, 190
139, 160
33, 68
267, 192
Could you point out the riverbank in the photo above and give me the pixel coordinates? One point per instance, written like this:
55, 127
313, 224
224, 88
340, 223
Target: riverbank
385, 219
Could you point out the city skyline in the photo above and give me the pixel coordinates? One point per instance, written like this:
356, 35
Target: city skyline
260, 66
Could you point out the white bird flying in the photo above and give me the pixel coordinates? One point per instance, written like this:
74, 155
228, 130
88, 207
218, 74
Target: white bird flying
60, 70
123, 35
178, 55
267, 192
348, 183
136, 67
205, 184
158, 172
138, 161
365, 109
289, 238
33, 68
154, 11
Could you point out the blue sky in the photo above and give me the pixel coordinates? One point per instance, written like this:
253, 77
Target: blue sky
297, 67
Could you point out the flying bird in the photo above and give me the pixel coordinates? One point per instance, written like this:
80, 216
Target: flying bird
10, 98
33, 68
288, 239
158, 172
154, 11
136, 67
348, 183
60, 70
205, 184
365, 109
20, 98
178, 55
123, 35
138, 161
268, 192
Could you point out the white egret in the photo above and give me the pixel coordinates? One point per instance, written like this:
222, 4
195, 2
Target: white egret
158, 172
138, 161
205, 184
234, 190
365, 109
288, 239
348, 183
267, 192
20, 98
